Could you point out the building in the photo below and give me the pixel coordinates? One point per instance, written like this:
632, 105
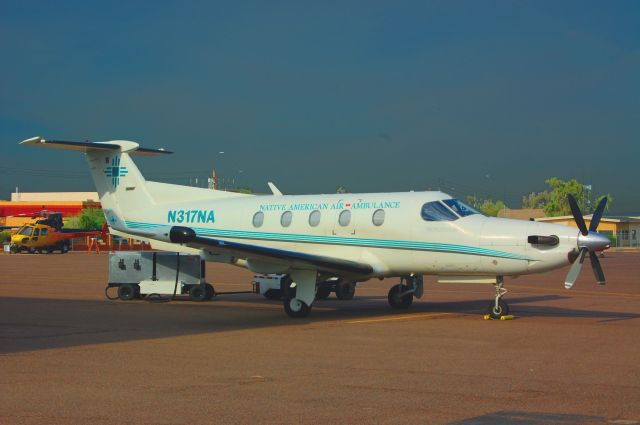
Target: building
623, 231
15, 212
522, 213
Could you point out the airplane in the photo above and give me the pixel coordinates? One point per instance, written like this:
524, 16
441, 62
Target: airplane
354, 237
46, 234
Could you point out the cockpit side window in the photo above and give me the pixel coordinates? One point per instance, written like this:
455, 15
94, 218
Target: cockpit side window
436, 211
460, 208
25, 231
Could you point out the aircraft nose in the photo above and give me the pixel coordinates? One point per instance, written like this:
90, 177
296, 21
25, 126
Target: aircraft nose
594, 241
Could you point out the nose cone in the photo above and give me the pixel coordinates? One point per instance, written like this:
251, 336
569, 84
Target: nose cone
594, 241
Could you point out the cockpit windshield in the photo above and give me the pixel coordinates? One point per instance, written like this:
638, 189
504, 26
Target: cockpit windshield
436, 211
25, 231
460, 208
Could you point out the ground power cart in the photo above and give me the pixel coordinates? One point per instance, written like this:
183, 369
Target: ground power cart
159, 274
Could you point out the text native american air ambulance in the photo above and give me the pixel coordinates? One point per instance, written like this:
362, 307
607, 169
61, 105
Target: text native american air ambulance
352, 237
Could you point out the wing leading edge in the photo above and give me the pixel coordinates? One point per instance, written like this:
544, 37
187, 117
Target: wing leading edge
187, 236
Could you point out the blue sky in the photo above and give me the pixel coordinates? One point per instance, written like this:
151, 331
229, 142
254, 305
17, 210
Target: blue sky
487, 98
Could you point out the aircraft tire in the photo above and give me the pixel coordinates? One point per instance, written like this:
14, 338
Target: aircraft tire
502, 310
198, 293
323, 292
397, 301
126, 292
345, 290
296, 308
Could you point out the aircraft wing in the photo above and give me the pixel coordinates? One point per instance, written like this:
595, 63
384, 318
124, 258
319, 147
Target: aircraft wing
188, 236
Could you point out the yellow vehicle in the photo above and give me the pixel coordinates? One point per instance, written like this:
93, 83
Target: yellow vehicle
46, 235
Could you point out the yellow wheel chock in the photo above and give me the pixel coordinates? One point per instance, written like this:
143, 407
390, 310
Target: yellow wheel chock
505, 317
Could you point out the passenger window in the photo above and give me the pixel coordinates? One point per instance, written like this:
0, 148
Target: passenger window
258, 219
436, 211
285, 218
378, 217
44, 231
36, 232
314, 218
344, 218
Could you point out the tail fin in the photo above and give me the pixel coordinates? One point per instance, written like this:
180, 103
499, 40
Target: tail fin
119, 183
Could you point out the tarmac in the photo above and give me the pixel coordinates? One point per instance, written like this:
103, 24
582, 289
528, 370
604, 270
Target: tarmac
70, 356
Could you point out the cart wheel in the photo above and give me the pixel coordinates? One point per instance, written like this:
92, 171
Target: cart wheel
273, 294
323, 292
345, 290
198, 293
211, 292
126, 292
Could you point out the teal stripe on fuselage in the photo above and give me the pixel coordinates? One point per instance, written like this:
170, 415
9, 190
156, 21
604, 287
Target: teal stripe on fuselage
339, 240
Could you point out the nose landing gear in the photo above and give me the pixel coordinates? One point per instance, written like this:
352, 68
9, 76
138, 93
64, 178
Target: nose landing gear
499, 307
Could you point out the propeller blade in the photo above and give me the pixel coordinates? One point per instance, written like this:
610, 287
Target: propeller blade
574, 271
577, 214
597, 215
597, 268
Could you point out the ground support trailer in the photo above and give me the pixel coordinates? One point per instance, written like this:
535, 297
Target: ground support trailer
139, 274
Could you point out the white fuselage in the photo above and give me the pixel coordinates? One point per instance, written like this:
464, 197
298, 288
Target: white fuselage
403, 243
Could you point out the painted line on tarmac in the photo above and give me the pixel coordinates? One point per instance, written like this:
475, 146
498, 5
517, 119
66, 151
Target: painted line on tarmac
402, 317
578, 292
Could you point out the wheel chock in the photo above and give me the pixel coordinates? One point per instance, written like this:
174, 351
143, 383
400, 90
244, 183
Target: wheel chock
505, 317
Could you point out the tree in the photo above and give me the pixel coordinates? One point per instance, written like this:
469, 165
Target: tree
89, 218
486, 206
341, 189
246, 190
554, 201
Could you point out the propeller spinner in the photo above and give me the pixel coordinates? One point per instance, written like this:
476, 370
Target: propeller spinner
589, 240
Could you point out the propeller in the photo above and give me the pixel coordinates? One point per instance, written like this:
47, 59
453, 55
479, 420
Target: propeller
589, 240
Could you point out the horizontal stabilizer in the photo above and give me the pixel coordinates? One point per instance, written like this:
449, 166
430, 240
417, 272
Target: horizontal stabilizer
113, 145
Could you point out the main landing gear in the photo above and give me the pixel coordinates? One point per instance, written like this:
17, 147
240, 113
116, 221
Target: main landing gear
299, 291
401, 295
499, 307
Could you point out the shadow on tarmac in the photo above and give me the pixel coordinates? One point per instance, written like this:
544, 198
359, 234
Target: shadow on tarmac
28, 324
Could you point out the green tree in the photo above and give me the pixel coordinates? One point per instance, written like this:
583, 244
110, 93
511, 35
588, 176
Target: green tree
486, 206
341, 189
5, 236
554, 201
245, 189
89, 218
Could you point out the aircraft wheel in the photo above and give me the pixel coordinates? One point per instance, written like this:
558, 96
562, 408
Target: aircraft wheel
126, 292
64, 249
501, 310
399, 301
345, 290
273, 294
211, 293
323, 292
296, 308
198, 293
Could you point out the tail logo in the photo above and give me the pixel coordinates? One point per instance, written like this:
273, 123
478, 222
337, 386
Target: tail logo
115, 171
